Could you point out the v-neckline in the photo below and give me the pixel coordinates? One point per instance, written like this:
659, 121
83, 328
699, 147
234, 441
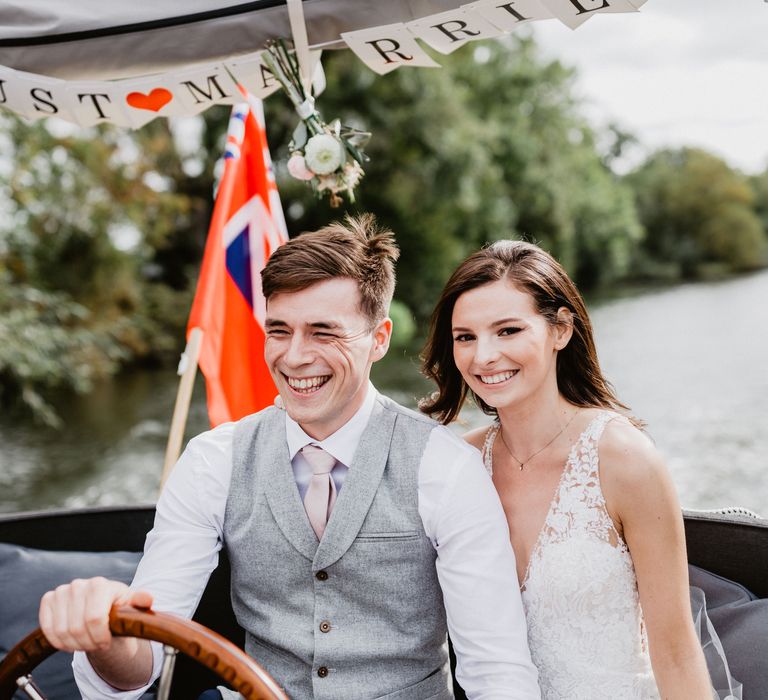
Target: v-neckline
556, 493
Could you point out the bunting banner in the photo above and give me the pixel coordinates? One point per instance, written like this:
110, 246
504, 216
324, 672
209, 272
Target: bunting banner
246, 227
132, 102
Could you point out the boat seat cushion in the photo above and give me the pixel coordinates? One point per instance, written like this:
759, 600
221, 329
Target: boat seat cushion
741, 622
25, 575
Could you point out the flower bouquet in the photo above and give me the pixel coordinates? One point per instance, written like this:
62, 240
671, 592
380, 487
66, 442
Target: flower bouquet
328, 156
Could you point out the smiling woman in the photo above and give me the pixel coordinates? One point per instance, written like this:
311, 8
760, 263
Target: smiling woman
592, 514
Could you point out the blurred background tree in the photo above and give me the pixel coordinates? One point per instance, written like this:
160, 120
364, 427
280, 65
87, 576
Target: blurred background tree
492, 145
89, 215
104, 229
759, 185
698, 213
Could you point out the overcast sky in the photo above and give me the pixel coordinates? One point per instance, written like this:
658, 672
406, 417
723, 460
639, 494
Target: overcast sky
677, 72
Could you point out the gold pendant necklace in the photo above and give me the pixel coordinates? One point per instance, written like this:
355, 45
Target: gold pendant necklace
540, 450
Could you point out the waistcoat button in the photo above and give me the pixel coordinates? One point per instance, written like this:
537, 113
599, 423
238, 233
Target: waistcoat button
322, 672
321, 575
325, 626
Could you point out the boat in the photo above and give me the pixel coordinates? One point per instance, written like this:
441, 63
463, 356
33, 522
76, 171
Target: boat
732, 543
39, 550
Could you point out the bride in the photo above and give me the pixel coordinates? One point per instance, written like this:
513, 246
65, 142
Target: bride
593, 516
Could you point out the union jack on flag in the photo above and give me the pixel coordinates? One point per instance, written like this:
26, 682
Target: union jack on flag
246, 227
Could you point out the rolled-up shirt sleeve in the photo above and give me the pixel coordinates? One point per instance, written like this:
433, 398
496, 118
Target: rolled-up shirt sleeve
463, 517
182, 549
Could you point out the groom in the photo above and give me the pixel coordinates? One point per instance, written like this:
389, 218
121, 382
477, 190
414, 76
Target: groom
359, 532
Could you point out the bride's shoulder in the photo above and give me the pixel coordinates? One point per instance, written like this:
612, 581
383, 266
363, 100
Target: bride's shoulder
628, 457
476, 437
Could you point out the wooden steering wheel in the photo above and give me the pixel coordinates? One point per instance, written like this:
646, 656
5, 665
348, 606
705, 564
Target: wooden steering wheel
205, 646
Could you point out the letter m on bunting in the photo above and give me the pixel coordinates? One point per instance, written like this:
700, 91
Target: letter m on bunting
247, 225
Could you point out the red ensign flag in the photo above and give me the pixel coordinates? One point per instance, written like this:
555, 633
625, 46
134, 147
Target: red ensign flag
247, 225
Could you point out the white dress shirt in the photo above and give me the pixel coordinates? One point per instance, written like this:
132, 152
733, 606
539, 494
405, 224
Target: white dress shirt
461, 514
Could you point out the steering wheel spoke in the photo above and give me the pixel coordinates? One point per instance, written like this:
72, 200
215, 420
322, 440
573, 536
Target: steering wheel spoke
26, 684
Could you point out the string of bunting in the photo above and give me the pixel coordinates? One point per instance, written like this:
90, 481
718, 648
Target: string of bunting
328, 156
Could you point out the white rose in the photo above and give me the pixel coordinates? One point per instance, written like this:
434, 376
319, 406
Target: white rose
298, 167
323, 154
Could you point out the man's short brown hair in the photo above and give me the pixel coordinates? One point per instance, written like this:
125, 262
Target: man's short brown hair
356, 248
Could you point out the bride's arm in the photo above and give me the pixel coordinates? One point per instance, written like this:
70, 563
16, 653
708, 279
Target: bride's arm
643, 502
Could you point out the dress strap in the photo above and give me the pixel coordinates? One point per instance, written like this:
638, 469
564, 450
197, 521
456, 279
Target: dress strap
583, 457
594, 430
487, 451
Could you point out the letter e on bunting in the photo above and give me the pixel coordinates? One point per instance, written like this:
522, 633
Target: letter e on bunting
383, 49
574, 13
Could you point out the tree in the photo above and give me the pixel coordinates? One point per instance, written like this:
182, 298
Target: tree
80, 289
489, 146
696, 211
760, 188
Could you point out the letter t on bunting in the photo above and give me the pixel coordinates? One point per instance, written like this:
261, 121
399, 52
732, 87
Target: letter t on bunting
246, 227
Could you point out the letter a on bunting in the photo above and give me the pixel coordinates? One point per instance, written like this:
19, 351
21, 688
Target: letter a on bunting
229, 307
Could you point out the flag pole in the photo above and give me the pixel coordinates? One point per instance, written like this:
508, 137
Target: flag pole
187, 370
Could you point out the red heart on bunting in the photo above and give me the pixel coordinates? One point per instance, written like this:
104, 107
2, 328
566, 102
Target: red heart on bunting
154, 101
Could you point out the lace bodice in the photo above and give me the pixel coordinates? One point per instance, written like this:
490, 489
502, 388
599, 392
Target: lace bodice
585, 625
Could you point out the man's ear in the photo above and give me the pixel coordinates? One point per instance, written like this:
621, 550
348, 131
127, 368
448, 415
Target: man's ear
382, 334
564, 328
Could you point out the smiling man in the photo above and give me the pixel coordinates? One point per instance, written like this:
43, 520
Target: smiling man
359, 532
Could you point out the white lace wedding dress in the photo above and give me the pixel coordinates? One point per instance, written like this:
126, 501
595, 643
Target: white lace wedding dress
585, 625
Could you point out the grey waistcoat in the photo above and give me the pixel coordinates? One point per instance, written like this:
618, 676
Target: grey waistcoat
360, 614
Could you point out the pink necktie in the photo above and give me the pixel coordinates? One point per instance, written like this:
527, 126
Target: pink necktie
321, 494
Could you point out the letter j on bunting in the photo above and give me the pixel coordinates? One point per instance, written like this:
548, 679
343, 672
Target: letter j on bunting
246, 227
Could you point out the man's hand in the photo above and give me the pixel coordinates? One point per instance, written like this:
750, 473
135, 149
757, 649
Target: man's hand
75, 616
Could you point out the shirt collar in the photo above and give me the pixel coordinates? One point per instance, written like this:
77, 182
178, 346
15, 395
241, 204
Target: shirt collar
341, 444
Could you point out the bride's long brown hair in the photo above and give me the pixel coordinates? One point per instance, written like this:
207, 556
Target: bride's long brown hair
579, 377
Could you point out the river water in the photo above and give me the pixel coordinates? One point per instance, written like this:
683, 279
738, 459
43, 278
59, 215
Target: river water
692, 361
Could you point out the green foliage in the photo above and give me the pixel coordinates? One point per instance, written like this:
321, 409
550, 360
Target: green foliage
489, 146
104, 229
697, 211
92, 271
404, 326
48, 344
759, 185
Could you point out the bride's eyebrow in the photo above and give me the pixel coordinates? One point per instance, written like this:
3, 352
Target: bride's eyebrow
505, 321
